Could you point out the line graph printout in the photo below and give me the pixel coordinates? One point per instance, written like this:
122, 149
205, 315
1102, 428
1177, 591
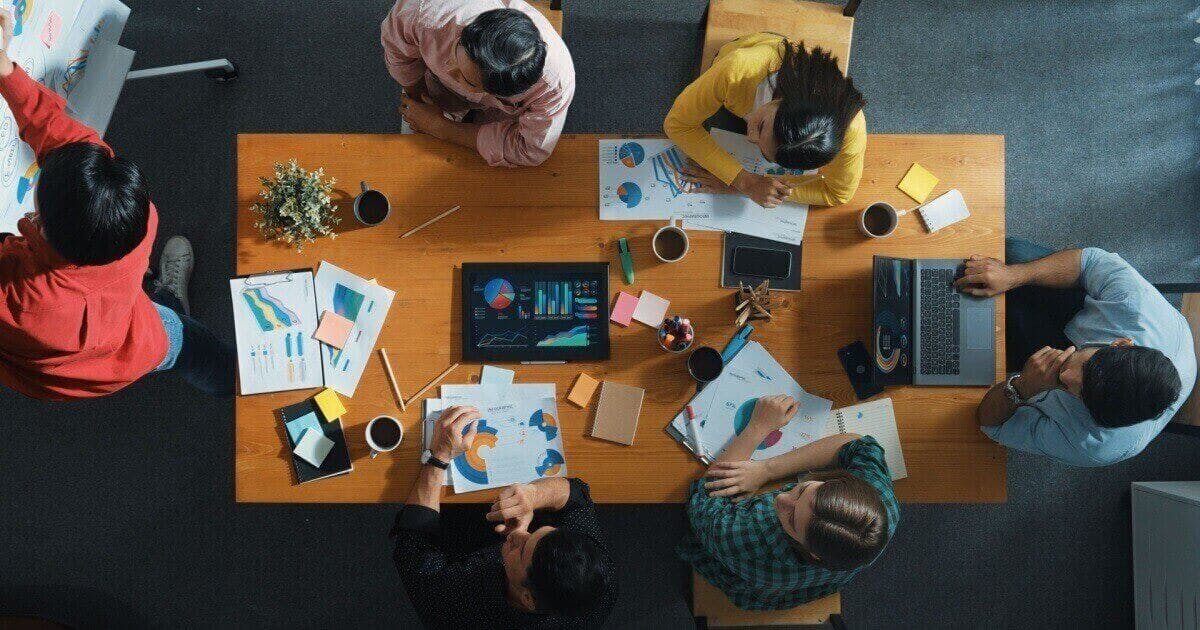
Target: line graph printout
360, 301
274, 317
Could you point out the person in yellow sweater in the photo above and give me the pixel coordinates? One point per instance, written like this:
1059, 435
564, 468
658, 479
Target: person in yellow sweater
800, 109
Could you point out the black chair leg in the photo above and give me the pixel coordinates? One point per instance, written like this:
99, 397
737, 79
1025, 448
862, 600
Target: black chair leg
851, 8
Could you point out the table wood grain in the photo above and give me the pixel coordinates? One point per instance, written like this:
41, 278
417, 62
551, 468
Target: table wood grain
550, 213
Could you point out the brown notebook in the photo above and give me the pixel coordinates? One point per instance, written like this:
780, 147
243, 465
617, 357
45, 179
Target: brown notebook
617, 412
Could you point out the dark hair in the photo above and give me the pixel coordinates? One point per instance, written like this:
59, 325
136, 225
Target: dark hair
93, 206
568, 572
849, 525
817, 103
1124, 385
508, 49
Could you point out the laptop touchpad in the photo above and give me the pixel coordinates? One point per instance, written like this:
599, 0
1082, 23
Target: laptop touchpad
978, 329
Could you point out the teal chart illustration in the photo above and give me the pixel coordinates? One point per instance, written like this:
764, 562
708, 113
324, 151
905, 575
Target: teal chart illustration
268, 311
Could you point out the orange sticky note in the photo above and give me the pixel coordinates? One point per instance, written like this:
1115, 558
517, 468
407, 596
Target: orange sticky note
581, 392
333, 329
330, 405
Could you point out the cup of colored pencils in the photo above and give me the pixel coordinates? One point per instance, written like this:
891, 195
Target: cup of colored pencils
676, 334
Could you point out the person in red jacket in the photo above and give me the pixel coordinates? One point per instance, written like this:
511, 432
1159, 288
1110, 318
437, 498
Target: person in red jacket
75, 321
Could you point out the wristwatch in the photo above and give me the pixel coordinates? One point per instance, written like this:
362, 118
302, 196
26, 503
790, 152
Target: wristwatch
428, 458
1014, 396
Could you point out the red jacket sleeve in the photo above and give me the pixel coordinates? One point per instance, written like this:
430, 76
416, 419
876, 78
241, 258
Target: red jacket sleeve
42, 115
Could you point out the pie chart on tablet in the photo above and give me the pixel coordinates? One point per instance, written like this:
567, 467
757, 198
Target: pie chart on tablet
498, 293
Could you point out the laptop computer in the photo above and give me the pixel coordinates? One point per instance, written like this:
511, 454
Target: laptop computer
925, 331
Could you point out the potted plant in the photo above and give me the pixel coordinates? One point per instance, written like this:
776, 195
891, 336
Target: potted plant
296, 206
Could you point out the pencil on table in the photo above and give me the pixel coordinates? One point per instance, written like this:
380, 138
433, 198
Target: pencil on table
430, 222
432, 383
387, 370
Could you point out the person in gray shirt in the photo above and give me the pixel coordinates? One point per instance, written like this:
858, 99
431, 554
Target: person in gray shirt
1107, 360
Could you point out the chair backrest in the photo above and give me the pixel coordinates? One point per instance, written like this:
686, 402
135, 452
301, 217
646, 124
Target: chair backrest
710, 604
828, 26
552, 9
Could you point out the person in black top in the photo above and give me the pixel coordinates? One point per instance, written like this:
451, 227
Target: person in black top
543, 564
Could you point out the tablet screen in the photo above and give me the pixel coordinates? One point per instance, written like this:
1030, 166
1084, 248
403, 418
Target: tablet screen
535, 311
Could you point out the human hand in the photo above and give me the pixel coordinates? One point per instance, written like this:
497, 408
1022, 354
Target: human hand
772, 412
417, 90
986, 277
736, 480
514, 508
1041, 371
766, 191
8, 23
706, 181
454, 432
422, 114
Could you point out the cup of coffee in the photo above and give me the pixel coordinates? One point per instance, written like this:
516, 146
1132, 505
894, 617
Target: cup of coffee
670, 242
878, 220
371, 207
705, 364
384, 433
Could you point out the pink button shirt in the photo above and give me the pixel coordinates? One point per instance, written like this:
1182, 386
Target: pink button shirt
419, 37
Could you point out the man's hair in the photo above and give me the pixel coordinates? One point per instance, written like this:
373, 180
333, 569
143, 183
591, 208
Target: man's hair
1124, 385
569, 573
849, 525
93, 206
508, 49
817, 103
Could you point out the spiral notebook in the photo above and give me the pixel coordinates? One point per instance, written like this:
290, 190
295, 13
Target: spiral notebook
878, 420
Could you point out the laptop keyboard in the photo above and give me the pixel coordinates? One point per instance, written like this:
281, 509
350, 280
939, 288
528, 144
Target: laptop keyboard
939, 322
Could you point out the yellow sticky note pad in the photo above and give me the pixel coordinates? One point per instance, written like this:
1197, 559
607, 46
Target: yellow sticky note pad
330, 405
918, 182
581, 392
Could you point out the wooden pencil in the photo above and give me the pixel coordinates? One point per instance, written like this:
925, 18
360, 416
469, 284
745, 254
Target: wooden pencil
430, 222
433, 383
387, 370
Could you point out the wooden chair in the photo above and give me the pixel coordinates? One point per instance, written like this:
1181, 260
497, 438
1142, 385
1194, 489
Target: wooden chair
1187, 420
713, 609
815, 23
552, 9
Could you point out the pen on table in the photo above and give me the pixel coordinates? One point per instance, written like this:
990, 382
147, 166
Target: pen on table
694, 433
387, 370
542, 362
626, 259
736, 343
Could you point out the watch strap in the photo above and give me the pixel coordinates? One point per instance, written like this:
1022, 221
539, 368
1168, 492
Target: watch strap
433, 461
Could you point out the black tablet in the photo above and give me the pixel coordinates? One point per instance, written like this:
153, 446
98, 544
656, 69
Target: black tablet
535, 311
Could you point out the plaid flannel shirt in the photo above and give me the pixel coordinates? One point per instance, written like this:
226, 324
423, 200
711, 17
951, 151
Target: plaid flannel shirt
741, 548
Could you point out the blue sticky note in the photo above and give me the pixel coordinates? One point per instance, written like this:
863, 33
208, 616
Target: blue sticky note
296, 427
493, 375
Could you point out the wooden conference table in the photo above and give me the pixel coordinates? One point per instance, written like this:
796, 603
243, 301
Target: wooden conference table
550, 213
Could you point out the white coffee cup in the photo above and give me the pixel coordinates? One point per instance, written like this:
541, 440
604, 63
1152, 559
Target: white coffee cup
671, 239
377, 448
884, 221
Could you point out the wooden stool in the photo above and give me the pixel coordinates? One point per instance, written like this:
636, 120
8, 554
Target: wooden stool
552, 9
815, 23
713, 608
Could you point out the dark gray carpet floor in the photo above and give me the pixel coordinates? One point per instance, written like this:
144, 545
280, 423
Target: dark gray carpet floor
119, 512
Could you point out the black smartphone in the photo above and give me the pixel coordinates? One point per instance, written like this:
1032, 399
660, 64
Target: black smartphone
857, 363
763, 263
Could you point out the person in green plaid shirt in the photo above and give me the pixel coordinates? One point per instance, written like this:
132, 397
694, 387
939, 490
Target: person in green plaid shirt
802, 542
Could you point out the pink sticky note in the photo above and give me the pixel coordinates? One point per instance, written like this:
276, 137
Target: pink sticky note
333, 329
51, 30
622, 311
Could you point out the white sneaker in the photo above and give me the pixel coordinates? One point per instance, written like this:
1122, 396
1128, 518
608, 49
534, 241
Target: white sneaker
175, 270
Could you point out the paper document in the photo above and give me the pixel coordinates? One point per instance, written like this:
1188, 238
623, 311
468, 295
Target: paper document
723, 409
362, 302
877, 419
274, 317
517, 441
639, 180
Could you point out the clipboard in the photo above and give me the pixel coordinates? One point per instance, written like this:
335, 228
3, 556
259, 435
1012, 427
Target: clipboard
274, 317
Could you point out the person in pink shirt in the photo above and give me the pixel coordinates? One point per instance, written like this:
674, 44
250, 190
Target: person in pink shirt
492, 75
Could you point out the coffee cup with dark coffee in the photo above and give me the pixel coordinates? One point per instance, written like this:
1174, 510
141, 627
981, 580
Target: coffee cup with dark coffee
670, 242
371, 207
384, 434
879, 220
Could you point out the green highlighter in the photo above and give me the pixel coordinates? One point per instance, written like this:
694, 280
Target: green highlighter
626, 260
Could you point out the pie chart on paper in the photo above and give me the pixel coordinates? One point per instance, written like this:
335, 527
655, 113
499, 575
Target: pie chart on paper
499, 293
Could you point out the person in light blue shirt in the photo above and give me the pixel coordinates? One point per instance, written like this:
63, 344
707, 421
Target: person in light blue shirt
1107, 360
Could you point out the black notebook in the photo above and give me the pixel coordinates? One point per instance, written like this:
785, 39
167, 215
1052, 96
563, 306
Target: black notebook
337, 462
